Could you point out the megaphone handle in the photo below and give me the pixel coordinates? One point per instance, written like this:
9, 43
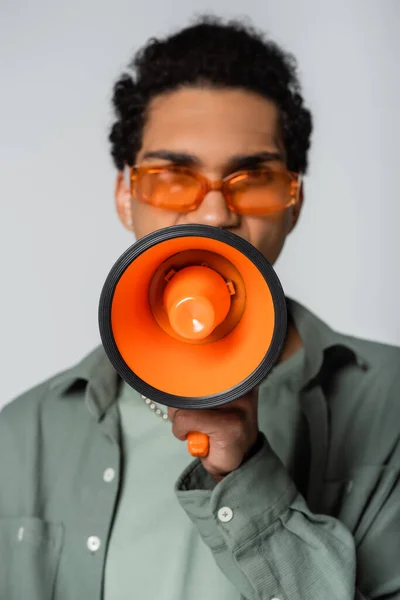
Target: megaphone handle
198, 444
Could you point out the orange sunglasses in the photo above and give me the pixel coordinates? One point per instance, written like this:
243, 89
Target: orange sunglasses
180, 189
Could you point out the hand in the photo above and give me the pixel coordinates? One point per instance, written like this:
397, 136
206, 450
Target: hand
232, 430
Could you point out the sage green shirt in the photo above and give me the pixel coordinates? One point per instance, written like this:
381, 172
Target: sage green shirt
330, 531
155, 551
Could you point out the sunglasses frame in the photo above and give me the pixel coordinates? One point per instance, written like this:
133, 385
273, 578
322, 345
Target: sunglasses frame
220, 185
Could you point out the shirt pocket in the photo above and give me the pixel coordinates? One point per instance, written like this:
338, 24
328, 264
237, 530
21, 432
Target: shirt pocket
358, 500
29, 555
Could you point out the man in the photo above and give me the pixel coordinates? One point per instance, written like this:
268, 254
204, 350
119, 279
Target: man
299, 497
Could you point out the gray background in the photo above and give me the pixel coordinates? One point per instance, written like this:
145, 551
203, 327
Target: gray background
59, 233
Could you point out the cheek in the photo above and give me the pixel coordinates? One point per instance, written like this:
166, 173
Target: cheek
147, 219
268, 234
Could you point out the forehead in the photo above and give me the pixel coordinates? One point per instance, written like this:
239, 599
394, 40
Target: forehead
211, 124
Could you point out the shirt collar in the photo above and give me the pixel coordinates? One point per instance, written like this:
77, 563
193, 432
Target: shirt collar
99, 377
318, 338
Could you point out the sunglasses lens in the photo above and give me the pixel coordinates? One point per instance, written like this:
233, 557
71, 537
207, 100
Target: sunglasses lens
173, 190
260, 192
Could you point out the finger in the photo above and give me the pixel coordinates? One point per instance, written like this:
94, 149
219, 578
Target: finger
171, 412
250, 398
211, 421
217, 424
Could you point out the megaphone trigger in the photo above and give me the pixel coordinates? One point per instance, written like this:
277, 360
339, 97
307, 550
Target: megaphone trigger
198, 444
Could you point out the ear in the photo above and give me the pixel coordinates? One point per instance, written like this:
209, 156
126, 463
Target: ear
296, 210
123, 199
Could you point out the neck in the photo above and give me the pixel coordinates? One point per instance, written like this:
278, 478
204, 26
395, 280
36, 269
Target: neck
293, 342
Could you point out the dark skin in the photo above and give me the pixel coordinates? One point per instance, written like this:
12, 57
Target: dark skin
215, 132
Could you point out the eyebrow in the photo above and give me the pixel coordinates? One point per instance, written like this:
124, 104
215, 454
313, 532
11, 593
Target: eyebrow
179, 158
251, 161
235, 163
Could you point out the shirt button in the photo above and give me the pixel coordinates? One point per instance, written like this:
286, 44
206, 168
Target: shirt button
108, 475
274, 598
20, 534
93, 543
225, 514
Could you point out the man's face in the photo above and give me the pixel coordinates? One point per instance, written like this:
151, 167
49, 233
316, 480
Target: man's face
207, 130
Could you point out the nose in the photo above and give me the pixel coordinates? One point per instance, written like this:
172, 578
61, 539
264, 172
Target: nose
214, 211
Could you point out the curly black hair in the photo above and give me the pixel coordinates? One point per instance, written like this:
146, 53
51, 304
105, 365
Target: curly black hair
216, 54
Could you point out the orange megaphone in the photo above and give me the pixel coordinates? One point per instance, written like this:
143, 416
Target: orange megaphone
193, 317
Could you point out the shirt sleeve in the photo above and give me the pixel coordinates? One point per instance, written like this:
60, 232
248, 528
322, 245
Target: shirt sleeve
270, 545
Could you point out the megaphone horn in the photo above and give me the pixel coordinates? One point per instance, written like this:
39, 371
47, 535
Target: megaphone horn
193, 317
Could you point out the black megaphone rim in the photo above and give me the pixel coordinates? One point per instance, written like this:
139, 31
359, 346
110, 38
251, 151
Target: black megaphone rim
188, 402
